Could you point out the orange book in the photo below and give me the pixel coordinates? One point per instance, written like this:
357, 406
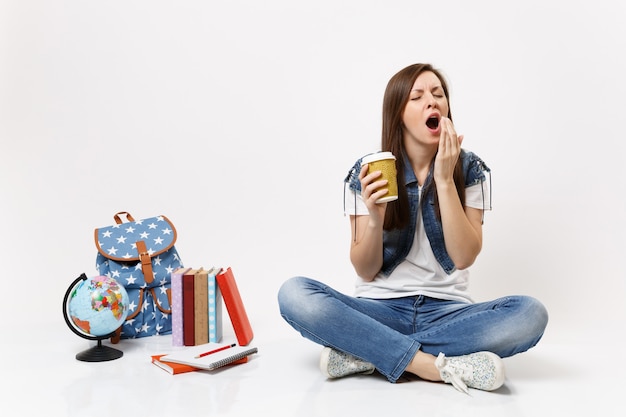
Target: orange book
179, 368
171, 367
234, 305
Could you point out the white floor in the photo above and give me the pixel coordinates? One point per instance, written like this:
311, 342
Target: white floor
42, 377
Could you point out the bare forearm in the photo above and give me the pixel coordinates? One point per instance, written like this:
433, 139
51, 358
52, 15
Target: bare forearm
366, 251
462, 235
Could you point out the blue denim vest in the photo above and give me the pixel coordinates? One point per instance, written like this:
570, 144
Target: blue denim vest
397, 243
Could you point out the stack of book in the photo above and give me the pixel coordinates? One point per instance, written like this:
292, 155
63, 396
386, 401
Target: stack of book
197, 317
197, 320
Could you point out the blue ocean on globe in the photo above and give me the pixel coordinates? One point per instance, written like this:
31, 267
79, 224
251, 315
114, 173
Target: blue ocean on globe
98, 306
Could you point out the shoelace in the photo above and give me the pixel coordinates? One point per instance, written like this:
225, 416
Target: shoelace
456, 371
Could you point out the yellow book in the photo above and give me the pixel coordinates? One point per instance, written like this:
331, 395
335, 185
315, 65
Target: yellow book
201, 307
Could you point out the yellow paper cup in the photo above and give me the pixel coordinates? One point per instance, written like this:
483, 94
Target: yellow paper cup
384, 162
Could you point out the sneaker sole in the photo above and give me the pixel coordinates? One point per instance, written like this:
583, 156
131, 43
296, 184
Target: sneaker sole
499, 369
324, 358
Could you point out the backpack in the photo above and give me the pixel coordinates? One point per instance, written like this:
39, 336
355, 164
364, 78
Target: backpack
141, 256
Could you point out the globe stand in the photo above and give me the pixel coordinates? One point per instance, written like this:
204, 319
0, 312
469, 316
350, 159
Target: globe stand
98, 353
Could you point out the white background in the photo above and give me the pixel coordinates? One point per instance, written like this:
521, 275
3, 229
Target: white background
239, 120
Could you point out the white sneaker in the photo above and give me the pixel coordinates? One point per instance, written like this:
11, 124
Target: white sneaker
335, 364
480, 370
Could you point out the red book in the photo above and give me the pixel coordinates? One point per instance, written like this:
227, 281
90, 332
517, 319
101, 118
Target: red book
189, 338
234, 305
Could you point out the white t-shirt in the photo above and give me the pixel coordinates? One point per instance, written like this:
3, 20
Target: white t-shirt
420, 273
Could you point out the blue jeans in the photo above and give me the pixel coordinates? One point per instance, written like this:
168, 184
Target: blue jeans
388, 333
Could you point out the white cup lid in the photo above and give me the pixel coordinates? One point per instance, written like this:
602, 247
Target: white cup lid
377, 157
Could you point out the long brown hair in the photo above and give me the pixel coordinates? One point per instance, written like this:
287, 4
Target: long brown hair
394, 101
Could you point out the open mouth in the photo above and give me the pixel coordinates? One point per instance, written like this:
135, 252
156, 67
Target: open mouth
432, 122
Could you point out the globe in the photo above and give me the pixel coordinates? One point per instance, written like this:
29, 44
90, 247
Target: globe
94, 308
